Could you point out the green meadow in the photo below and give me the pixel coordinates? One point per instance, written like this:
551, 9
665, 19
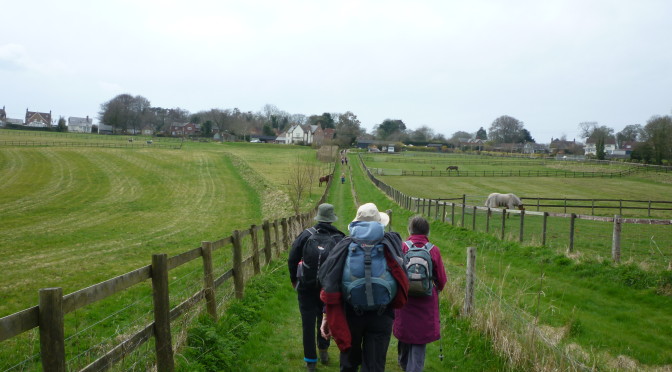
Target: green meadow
75, 216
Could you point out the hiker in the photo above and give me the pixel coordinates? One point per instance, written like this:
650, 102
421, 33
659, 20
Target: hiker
308, 252
342, 178
418, 323
360, 321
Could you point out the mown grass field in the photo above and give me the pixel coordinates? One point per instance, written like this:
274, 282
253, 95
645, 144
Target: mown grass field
76, 216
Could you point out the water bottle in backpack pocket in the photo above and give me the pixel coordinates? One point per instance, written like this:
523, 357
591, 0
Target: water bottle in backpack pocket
367, 283
419, 269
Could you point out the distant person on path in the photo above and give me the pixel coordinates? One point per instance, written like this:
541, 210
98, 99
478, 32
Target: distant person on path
360, 320
418, 323
309, 250
342, 178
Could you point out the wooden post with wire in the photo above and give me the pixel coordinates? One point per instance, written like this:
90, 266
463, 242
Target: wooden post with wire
208, 279
471, 278
616, 240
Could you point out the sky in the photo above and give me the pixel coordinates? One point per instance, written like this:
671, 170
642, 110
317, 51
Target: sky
448, 65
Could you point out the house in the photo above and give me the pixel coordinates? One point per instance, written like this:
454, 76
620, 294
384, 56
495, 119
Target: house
471, 144
80, 125
299, 134
609, 146
180, 129
321, 136
38, 119
535, 148
147, 130
563, 147
281, 138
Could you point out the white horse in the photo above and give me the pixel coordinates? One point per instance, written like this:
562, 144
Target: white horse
509, 201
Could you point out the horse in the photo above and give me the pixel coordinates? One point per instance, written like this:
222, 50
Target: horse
325, 179
453, 168
508, 201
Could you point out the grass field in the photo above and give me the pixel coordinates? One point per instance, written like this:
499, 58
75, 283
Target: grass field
74, 216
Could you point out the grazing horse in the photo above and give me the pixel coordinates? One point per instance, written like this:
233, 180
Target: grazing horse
325, 179
508, 201
453, 168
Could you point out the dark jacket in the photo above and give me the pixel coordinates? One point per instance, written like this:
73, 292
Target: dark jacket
296, 252
331, 273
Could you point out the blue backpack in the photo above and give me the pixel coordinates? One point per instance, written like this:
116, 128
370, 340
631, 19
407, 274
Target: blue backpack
418, 265
367, 283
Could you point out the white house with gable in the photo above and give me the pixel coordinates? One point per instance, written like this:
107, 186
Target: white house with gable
80, 125
299, 134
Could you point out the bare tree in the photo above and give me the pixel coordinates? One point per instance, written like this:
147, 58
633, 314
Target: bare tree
299, 182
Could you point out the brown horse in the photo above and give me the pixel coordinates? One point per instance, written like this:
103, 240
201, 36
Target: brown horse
453, 168
326, 179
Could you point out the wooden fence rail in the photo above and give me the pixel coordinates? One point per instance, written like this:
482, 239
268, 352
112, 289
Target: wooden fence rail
425, 206
48, 316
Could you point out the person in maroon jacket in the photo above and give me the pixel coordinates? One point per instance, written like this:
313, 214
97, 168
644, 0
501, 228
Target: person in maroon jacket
417, 323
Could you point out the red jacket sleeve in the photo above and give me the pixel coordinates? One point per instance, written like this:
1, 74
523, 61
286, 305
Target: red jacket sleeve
440, 277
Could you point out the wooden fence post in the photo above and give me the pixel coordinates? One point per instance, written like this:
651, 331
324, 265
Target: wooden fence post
473, 219
471, 275
238, 278
572, 220
163, 340
52, 333
276, 230
443, 218
543, 229
616, 240
503, 222
255, 249
267, 241
209, 281
463, 213
487, 220
452, 213
285, 234
522, 225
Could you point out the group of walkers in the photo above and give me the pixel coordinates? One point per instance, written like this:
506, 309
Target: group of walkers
361, 288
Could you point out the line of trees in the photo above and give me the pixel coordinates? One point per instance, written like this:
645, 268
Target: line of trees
132, 113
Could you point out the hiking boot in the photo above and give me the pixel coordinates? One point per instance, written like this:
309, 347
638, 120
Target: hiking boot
324, 356
311, 367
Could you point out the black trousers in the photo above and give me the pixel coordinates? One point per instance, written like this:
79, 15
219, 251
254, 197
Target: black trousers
371, 334
311, 307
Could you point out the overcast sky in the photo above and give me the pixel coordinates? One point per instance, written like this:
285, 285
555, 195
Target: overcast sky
449, 65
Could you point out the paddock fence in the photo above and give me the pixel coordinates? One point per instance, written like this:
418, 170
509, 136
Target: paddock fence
115, 145
514, 332
251, 249
642, 240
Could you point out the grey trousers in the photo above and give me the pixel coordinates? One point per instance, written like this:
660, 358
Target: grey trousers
411, 357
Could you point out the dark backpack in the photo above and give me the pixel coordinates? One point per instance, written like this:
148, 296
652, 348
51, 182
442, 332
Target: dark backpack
367, 283
419, 269
315, 252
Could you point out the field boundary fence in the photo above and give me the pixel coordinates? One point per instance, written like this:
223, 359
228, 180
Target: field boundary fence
262, 243
457, 209
522, 326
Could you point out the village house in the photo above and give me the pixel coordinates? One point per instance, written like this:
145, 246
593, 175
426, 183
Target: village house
38, 119
184, 129
609, 146
80, 125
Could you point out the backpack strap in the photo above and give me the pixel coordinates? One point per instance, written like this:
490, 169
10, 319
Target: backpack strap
312, 230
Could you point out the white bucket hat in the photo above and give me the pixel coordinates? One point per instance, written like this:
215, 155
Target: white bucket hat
369, 212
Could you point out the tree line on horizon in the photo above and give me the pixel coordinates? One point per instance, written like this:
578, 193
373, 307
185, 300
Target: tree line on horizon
126, 112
